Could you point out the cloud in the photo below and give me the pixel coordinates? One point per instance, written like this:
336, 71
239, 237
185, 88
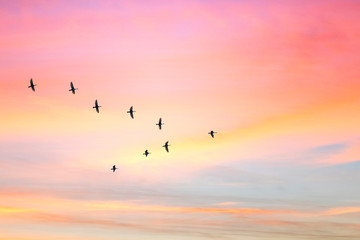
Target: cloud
341, 210
226, 203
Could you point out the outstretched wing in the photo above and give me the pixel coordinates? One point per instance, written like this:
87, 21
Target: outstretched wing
71, 85
31, 82
167, 148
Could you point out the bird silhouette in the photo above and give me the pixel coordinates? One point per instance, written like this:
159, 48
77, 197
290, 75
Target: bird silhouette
114, 168
146, 153
32, 85
131, 111
160, 123
96, 106
166, 146
72, 88
212, 133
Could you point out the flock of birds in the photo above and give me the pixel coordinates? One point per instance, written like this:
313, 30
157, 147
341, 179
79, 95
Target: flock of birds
131, 112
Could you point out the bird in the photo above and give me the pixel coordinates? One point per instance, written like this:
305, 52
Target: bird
146, 153
32, 85
96, 106
72, 88
160, 123
114, 168
212, 133
131, 111
166, 146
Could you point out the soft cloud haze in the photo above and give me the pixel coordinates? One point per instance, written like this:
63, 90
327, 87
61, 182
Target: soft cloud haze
278, 80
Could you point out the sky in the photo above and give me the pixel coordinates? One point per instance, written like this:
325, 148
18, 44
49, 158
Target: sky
277, 80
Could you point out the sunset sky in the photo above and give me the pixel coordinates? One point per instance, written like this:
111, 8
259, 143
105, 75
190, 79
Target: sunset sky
278, 80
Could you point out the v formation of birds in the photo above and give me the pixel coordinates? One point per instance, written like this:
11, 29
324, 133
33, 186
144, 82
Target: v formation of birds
131, 112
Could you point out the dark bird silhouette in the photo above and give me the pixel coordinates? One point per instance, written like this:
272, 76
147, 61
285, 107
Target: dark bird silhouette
166, 146
72, 88
96, 106
160, 123
212, 133
114, 168
131, 111
32, 85
146, 153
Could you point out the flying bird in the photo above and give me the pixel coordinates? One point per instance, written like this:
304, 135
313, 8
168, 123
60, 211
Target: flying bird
146, 153
114, 168
166, 146
131, 111
212, 133
32, 85
96, 106
72, 88
160, 123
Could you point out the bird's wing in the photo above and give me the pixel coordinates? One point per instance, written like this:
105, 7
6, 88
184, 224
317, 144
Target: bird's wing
31, 81
72, 85
131, 114
166, 148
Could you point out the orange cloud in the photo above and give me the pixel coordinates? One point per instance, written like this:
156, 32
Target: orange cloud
341, 210
14, 210
226, 203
